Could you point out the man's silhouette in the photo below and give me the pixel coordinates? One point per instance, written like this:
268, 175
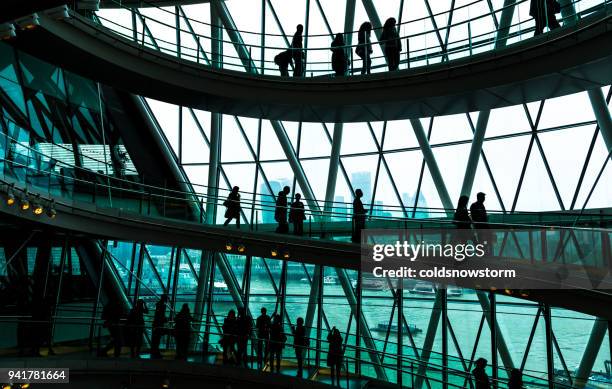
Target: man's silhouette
280, 212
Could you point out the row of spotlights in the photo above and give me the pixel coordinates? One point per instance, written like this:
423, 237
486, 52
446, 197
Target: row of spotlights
241, 248
26, 202
29, 22
229, 246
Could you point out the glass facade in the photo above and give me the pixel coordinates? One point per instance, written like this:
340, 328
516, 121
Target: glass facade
540, 156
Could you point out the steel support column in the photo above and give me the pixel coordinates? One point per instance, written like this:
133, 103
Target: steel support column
505, 22
219, 10
598, 332
296, 166
475, 151
345, 282
500, 342
602, 115
430, 335
432, 165
332, 174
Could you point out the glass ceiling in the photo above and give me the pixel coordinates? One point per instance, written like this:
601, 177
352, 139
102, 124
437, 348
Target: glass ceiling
540, 156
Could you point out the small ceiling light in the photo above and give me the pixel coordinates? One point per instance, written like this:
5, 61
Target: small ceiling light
10, 196
28, 22
229, 246
286, 254
508, 291
274, 253
24, 203
241, 248
37, 207
7, 31
51, 212
58, 13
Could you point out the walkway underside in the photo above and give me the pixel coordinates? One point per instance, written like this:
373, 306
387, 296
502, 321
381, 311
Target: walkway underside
85, 221
568, 60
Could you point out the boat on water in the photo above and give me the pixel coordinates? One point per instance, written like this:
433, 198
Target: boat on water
330, 280
454, 291
424, 288
383, 327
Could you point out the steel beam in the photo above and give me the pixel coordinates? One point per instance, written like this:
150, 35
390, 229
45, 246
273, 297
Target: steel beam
430, 160
598, 332
332, 174
502, 348
219, 8
430, 335
475, 151
345, 282
602, 115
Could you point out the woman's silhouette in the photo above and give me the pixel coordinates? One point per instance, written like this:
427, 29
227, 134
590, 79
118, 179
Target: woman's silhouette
339, 63
392, 44
364, 46
233, 207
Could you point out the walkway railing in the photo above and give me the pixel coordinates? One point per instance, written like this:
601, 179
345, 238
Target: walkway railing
427, 43
209, 344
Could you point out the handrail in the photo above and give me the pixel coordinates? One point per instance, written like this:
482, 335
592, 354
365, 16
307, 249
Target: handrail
409, 364
261, 205
470, 45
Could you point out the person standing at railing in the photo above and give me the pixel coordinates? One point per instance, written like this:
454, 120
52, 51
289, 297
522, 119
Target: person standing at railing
182, 331
243, 327
462, 222
229, 338
298, 52
112, 314
339, 60
277, 343
297, 215
232, 205
481, 379
335, 355
359, 216
543, 12
392, 44
480, 218
516, 379
300, 344
263, 338
280, 212
135, 327
159, 323
364, 46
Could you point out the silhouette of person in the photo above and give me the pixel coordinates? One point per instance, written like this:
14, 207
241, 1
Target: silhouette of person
298, 52
339, 60
232, 205
481, 379
335, 355
243, 326
359, 216
277, 343
516, 379
263, 337
480, 219
392, 44
300, 342
112, 314
280, 212
462, 221
364, 46
543, 12
283, 60
297, 215
229, 337
135, 327
182, 331
479, 212
159, 322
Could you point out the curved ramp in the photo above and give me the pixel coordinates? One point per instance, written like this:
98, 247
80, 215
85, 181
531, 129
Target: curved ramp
567, 60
